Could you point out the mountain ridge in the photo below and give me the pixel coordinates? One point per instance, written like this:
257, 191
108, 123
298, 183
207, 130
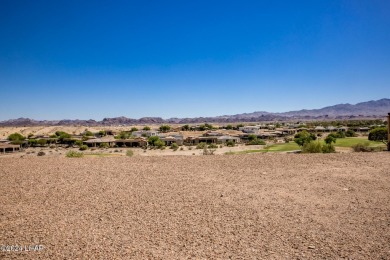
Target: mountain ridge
368, 109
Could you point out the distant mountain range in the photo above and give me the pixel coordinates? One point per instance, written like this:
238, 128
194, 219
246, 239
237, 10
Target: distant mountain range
370, 109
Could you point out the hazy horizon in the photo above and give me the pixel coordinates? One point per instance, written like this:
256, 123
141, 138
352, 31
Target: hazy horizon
72, 60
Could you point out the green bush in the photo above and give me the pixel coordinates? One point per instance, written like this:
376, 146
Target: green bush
328, 148
123, 135
61, 135
88, 133
129, 153
16, 138
252, 137
350, 133
174, 146
79, 143
83, 147
201, 145
362, 147
256, 142
165, 128
32, 142
378, 134
42, 142
318, 147
74, 154
153, 139
312, 147
330, 139
160, 144
104, 145
133, 129
185, 128
213, 146
230, 143
304, 137
146, 128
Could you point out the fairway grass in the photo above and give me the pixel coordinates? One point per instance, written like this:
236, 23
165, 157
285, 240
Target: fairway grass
351, 141
347, 142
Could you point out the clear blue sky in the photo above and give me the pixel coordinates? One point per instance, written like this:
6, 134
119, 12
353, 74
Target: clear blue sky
96, 59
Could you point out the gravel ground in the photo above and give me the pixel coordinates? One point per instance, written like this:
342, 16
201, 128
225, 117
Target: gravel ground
254, 206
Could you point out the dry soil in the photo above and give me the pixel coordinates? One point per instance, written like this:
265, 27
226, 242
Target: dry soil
253, 206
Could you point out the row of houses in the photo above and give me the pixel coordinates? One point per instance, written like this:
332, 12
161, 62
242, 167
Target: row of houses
257, 129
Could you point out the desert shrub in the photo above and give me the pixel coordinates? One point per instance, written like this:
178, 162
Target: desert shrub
213, 146
61, 135
304, 137
79, 143
185, 128
83, 147
159, 144
74, 154
328, 148
129, 153
32, 142
116, 151
146, 128
153, 139
201, 145
41, 153
350, 133
230, 143
42, 142
174, 146
123, 135
312, 147
165, 128
88, 133
338, 134
229, 127
362, 147
378, 134
256, 142
181, 148
252, 137
190, 148
104, 145
102, 133
52, 146
330, 139
208, 151
16, 138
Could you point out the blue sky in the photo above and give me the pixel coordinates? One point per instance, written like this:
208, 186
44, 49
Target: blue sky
96, 59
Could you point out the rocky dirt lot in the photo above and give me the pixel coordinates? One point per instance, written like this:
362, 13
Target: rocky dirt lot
254, 206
